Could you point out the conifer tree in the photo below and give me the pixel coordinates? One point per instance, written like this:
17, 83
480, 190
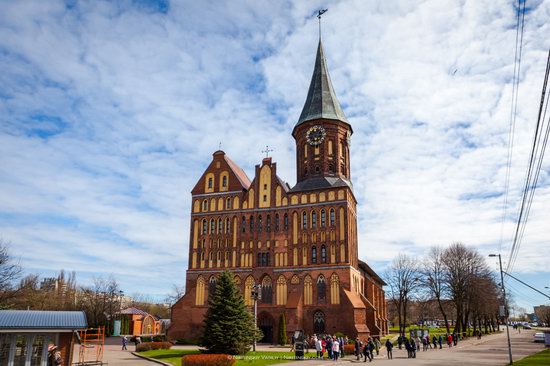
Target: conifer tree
228, 324
282, 330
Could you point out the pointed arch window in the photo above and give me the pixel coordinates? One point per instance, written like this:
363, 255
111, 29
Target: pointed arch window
220, 226
308, 290
267, 290
210, 183
243, 224
251, 223
276, 222
334, 289
314, 254
199, 291
228, 203
304, 220
319, 322
248, 283
260, 223
211, 287
205, 205
224, 181
281, 290
332, 217
323, 218
321, 290
286, 222
204, 227
268, 223
212, 226
323, 254
227, 225
314, 220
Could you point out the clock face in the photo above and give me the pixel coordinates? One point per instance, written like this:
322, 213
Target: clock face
315, 135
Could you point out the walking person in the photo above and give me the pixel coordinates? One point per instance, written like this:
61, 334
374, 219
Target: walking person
124, 343
372, 346
399, 341
434, 341
366, 353
319, 348
413, 348
408, 348
292, 341
357, 348
424, 346
377, 345
440, 341
329, 347
389, 347
335, 349
418, 343
455, 339
450, 341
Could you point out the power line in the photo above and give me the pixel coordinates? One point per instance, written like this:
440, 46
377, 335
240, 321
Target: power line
533, 172
513, 113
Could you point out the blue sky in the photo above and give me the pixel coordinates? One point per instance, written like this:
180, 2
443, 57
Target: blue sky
110, 111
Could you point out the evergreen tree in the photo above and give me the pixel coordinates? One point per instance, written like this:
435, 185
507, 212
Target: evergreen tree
282, 330
228, 324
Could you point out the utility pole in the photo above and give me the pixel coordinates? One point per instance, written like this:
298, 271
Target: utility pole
256, 294
505, 305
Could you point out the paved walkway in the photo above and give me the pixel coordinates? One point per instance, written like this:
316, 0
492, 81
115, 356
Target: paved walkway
114, 356
489, 351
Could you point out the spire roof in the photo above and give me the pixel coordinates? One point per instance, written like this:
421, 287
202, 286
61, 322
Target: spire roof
321, 101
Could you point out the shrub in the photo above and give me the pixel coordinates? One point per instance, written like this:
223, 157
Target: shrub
207, 360
186, 341
148, 346
349, 349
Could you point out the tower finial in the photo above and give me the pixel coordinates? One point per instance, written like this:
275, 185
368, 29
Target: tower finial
319, 13
267, 151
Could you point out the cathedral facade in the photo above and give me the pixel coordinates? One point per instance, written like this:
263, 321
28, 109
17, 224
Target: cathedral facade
299, 243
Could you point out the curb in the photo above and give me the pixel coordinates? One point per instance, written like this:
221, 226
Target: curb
151, 359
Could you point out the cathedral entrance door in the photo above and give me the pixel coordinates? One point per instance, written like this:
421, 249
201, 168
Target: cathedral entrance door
265, 323
319, 322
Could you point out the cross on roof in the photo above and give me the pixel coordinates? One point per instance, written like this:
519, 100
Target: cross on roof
267, 151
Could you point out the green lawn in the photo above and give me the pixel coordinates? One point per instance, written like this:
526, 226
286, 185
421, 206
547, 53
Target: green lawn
541, 358
173, 356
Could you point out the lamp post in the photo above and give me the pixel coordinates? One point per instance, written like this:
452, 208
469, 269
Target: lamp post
505, 305
256, 294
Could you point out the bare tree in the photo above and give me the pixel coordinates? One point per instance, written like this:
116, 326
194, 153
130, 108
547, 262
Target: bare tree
101, 301
403, 277
10, 272
433, 276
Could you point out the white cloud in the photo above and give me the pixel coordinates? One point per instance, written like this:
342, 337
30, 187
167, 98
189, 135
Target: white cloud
144, 98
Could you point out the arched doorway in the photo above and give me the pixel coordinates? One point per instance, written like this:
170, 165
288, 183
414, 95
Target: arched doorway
265, 323
319, 322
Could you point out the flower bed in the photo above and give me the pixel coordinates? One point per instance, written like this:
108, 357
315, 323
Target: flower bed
207, 360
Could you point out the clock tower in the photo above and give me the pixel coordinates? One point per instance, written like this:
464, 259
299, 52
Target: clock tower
322, 135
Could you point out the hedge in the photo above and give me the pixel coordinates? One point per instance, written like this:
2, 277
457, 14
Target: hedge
148, 346
207, 360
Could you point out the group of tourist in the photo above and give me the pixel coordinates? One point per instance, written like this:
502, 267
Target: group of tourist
369, 347
413, 344
332, 345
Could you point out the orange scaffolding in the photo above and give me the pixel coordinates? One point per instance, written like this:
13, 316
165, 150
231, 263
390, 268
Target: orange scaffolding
92, 342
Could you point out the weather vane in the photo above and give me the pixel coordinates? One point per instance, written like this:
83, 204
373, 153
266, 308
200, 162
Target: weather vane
267, 151
319, 13
220, 146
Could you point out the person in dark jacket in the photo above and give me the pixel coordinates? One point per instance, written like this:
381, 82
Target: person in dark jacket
434, 341
399, 341
440, 341
389, 347
408, 348
366, 352
413, 348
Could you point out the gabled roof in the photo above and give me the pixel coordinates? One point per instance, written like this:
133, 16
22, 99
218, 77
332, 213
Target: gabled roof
321, 183
241, 175
321, 101
365, 267
35, 319
133, 311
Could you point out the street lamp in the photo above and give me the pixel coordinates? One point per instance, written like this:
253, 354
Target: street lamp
505, 305
256, 295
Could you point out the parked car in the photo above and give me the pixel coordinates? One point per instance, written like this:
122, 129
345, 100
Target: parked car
526, 326
538, 337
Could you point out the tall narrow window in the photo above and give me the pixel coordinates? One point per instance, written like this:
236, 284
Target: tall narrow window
268, 223
205, 205
323, 254
321, 290
331, 217
286, 222
210, 183
227, 225
314, 220
260, 223
212, 226
323, 218
314, 254
304, 220
224, 181
276, 222
220, 226
228, 203
243, 224
211, 287
204, 227
267, 290
251, 223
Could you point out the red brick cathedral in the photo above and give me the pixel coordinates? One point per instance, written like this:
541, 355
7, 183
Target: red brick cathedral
299, 243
